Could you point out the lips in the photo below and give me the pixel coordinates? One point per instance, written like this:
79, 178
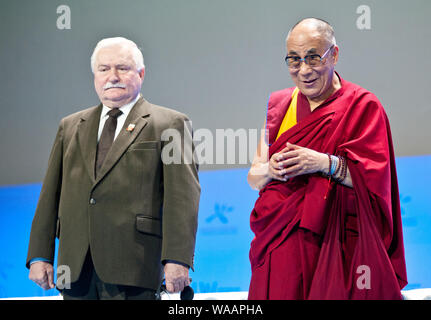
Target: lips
309, 81
106, 89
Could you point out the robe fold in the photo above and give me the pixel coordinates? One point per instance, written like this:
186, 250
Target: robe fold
315, 238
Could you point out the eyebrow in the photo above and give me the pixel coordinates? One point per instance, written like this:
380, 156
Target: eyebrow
310, 51
121, 65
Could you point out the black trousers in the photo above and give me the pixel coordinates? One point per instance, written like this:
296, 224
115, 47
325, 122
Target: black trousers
90, 287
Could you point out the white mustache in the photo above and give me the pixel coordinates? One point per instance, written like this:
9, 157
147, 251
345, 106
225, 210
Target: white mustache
110, 85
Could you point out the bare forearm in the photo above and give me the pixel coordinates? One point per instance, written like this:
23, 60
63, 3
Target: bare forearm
258, 176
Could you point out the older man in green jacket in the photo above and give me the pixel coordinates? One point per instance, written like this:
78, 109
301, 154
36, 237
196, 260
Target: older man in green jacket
123, 216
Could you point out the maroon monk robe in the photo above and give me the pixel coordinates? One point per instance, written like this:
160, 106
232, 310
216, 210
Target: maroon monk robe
316, 239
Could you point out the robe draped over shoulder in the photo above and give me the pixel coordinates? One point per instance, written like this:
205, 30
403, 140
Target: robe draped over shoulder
351, 123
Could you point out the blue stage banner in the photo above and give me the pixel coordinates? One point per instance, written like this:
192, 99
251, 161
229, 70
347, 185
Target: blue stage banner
414, 176
224, 236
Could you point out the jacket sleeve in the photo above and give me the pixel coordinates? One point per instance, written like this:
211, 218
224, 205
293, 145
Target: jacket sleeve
181, 196
43, 229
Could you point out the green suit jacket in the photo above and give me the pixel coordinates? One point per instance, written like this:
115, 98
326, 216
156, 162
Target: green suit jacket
137, 213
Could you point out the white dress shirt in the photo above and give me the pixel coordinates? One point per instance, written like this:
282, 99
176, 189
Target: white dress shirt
120, 120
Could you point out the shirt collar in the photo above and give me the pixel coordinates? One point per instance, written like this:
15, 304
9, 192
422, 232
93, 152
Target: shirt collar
125, 109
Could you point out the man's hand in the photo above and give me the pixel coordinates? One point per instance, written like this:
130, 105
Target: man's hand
42, 273
176, 277
294, 160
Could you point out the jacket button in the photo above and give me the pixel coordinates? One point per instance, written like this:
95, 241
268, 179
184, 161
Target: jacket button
92, 201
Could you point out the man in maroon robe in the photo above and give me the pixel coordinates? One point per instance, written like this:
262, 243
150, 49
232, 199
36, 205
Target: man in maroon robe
327, 222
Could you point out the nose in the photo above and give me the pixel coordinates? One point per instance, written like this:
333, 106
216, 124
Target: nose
305, 69
113, 76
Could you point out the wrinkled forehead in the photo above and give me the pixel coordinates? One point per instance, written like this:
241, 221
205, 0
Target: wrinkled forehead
115, 54
306, 40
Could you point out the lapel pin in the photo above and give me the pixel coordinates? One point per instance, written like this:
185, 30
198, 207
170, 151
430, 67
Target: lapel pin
131, 127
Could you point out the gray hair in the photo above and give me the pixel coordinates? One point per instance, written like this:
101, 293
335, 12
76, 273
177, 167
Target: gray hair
322, 26
107, 42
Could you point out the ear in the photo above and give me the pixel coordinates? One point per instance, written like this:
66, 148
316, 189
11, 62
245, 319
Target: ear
142, 74
335, 54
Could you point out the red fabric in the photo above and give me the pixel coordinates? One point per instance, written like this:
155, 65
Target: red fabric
303, 107
309, 247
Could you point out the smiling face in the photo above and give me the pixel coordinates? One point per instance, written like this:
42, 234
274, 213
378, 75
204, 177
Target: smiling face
116, 78
316, 83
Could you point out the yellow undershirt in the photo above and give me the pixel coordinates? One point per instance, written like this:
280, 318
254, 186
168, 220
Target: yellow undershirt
289, 119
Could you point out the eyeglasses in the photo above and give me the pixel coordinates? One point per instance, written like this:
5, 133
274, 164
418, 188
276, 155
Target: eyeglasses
312, 60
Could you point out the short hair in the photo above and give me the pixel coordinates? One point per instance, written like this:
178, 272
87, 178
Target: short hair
107, 42
322, 26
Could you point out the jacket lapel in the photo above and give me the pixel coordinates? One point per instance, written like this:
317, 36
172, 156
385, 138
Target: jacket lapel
87, 137
136, 117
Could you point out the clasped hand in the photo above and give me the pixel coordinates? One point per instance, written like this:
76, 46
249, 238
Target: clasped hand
294, 160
